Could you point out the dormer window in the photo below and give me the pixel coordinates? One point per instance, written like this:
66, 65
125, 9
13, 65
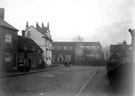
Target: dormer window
8, 38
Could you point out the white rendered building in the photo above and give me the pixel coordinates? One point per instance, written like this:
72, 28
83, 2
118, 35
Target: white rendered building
41, 35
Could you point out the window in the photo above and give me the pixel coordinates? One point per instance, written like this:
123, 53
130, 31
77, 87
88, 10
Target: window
88, 47
28, 34
70, 48
58, 47
95, 47
65, 47
82, 46
7, 57
8, 38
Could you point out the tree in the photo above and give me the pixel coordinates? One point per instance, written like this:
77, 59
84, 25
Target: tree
78, 49
78, 38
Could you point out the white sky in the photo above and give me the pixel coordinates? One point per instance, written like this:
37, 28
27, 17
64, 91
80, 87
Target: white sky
106, 21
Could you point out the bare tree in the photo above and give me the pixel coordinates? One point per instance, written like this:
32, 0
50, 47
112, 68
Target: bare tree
78, 38
78, 49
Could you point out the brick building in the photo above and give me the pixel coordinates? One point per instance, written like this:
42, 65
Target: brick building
8, 44
14, 48
79, 52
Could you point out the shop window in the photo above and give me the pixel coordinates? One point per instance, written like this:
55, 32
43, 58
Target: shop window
8, 38
7, 57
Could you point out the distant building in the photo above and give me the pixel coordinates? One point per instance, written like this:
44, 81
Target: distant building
8, 44
79, 52
122, 50
41, 35
106, 51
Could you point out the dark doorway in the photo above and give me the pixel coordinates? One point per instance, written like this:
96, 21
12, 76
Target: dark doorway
14, 61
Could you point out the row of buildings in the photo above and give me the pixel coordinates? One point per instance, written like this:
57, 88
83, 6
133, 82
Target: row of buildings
41, 36
36, 49
78, 52
31, 50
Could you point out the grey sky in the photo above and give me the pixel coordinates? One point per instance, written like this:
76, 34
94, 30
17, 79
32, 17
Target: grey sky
106, 21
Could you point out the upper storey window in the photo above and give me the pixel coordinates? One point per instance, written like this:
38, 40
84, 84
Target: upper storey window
8, 38
29, 34
65, 47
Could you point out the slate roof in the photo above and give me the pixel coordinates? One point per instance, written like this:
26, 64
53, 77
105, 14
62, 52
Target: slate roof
6, 25
118, 48
44, 32
75, 43
40, 30
28, 43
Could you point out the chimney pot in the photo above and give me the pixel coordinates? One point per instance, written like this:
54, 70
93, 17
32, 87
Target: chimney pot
2, 11
23, 33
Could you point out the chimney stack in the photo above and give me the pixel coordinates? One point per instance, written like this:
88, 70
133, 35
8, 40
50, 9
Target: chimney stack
42, 25
37, 25
27, 25
2, 10
23, 33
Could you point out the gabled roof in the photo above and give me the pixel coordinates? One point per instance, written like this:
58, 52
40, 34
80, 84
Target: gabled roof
42, 31
30, 27
38, 29
45, 29
6, 25
75, 43
28, 43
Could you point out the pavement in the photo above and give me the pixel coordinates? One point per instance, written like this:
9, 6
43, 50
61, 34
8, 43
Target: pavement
11, 74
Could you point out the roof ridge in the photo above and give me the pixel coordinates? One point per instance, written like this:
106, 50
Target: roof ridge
5, 24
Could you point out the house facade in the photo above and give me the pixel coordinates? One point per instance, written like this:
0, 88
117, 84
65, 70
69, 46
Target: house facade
30, 55
41, 35
79, 52
17, 52
8, 45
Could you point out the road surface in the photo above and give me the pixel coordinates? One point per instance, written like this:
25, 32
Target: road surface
62, 81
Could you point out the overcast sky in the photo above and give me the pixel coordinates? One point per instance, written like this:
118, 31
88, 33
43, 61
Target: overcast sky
106, 21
